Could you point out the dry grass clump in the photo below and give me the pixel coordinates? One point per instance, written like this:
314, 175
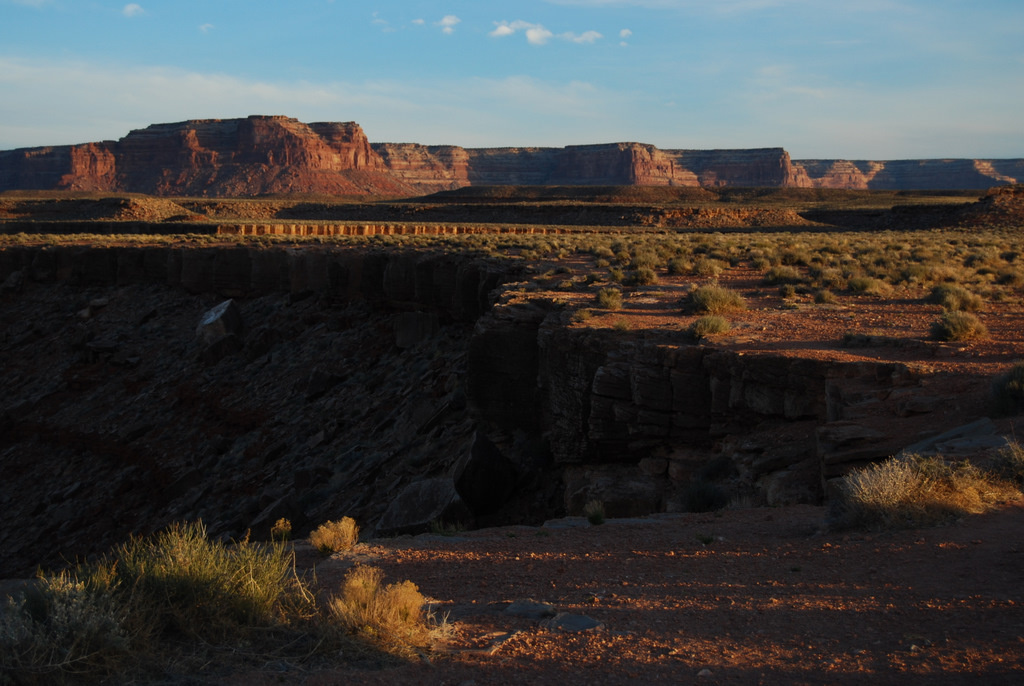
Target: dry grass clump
335, 536
390, 616
916, 491
121, 613
609, 298
594, 512
958, 326
956, 298
715, 299
866, 285
709, 325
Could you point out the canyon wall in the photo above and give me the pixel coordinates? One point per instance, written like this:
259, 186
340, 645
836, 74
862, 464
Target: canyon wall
274, 154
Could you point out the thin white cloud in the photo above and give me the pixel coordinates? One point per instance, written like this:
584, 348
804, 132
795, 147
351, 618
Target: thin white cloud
448, 23
133, 10
625, 33
418, 22
536, 34
206, 28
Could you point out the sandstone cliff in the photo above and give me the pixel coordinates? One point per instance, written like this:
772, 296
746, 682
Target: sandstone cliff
267, 155
939, 174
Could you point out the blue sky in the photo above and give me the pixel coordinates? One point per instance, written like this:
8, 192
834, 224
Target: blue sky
854, 79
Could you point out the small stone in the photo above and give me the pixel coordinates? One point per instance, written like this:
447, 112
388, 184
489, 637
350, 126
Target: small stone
705, 673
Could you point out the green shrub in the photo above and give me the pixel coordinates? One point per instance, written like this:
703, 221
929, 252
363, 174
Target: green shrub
644, 276
335, 536
953, 297
708, 325
707, 267
716, 299
914, 491
609, 298
594, 512
1008, 390
678, 266
958, 326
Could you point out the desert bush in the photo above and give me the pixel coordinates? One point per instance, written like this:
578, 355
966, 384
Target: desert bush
958, 326
1008, 390
824, 297
391, 616
617, 275
953, 297
594, 512
282, 530
715, 299
915, 491
609, 298
582, 315
1008, 463
679, 265
114, 615
644, 276
866, 285
191, 586
708, 325
707, 267
783, 275
335, 536
67, 626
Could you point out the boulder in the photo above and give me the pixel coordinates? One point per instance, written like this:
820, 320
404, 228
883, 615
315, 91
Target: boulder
422, 503
223, 320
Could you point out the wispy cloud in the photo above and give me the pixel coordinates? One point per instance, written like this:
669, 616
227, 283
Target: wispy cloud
448, 23
536, 34
206, 28
133, 10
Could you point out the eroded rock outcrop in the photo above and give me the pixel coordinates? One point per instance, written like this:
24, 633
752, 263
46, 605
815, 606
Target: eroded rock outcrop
274, 154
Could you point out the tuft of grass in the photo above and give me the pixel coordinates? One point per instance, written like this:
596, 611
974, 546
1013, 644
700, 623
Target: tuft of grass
715, 299
708, 325
391, 616
915, 491
958, 326
956, 298
866, 285
335, 536
582, 315
176, 587
644, 276
594, 512
609, 298
1008, 390
282, 530
825, 297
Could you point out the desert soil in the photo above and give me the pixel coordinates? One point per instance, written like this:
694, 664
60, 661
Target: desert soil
743, 596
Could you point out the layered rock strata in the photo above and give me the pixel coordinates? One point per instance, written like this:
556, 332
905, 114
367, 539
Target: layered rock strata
273, 154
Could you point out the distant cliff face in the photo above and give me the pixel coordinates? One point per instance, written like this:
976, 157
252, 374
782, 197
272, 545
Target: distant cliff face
911, 174
261, 155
